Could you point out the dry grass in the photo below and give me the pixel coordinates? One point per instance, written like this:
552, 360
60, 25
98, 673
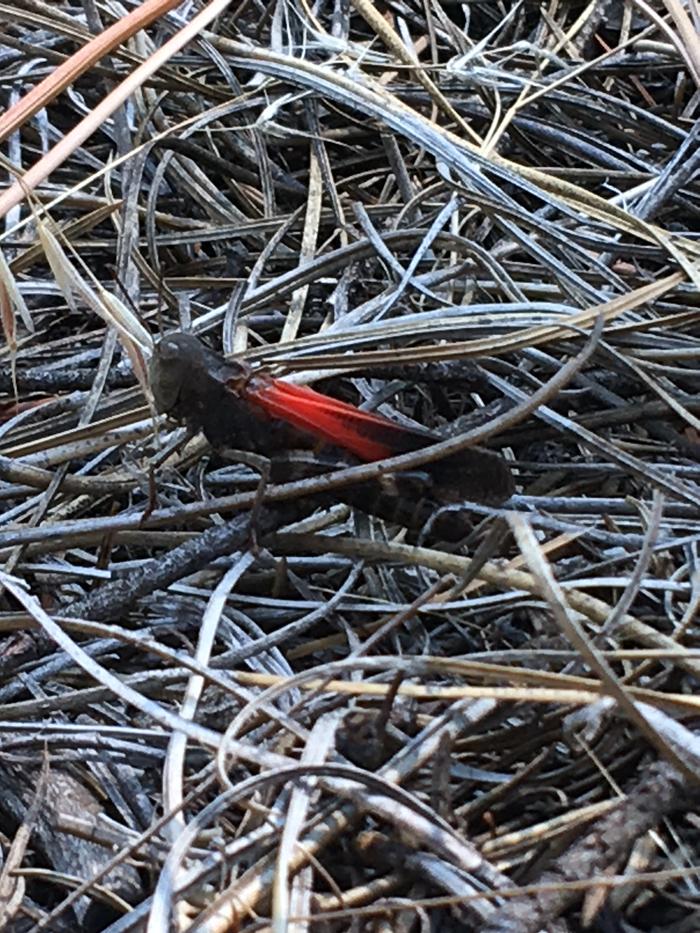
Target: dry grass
335, 726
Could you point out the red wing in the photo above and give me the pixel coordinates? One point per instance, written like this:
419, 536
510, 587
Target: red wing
369, 437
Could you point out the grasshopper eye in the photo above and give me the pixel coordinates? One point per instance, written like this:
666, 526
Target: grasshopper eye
168, 349
178, 347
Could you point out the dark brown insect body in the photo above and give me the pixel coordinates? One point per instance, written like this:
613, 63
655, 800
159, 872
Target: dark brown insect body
238, 407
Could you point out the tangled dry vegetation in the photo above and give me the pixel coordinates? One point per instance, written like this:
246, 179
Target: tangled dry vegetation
325, 721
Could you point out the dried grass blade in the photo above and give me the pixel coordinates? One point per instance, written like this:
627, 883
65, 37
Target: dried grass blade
87, 126
576, 634
668, 397
12, 884
316, 751
48, 89
113, 311
497, 346
308, 246
15, 301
